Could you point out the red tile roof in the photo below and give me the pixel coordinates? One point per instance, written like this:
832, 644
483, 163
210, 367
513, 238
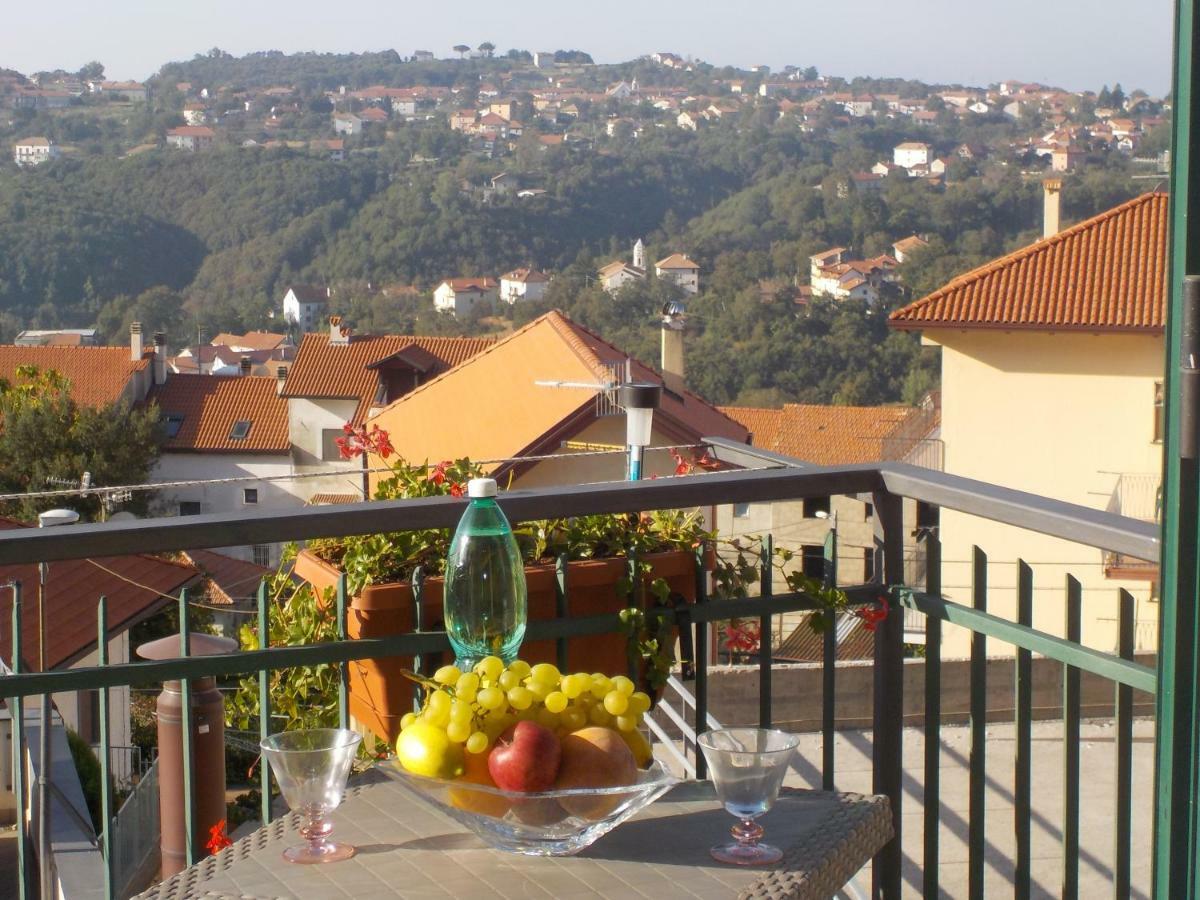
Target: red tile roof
823, 435
255, 340
1106, 273
227, 579
326, 371
134, 586
98, 375
211, 404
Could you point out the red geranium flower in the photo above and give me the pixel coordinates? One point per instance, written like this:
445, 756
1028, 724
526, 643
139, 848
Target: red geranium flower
456, 489
873, 615
218, 840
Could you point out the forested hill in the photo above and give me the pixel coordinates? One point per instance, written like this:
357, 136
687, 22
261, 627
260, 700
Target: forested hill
179, 240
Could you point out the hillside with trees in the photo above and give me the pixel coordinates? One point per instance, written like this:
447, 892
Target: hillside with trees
210, 241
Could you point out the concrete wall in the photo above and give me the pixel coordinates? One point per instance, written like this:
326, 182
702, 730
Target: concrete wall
1058, 415
796, 702
307, 419
585, 469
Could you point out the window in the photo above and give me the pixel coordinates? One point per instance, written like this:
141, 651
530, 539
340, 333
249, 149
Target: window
172, 422
190, 508
329, 447
868, 512
240, 429
868, 564
1158, 412
813, 560
262, 555
249, 496
741, 510
816, 507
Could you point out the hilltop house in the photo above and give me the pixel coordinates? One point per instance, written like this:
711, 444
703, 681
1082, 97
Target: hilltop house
681, 270
461, 295
523, 284
912, 153
618, 273
902, 249
831, 274
191, 137
304, 305
347, 124
32, 151
1052, 364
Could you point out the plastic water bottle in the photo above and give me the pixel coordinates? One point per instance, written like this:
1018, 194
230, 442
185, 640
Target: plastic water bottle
485, 602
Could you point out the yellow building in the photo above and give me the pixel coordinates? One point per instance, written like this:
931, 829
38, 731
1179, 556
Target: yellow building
1052, 366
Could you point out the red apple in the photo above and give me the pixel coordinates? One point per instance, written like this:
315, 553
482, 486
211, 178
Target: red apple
525, 758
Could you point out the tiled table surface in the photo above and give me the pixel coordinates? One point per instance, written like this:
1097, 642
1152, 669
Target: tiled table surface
406, 849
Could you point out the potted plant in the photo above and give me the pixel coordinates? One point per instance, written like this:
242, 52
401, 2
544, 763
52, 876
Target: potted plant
612, 560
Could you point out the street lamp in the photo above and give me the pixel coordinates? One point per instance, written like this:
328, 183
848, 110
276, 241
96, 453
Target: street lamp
51, 518
639, 400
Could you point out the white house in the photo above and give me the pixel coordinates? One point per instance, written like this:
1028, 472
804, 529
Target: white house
304, 305
678, 268
903, 249
219, 429
687, 120
911, 153
191, 137
618, 273
33, 151
195, 113
347, 123
523, 284
461, 295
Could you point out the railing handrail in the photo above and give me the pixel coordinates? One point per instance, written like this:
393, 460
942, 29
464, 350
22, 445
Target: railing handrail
1032, 512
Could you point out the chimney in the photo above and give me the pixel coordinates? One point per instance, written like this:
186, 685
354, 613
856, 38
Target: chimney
244, 365
280, 378
160, 358
1052, 189
672, 346
136, 348
337, 333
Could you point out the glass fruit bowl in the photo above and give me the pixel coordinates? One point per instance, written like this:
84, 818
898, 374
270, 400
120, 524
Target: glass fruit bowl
549, 823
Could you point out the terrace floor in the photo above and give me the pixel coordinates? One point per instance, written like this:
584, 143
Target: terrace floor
1097, 800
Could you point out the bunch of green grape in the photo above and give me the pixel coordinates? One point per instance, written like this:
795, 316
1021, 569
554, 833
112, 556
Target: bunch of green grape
475, 707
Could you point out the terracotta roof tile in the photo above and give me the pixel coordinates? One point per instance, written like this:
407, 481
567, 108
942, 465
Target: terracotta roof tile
676, 261
72, 590
211, 405
322, 370
500, 413
330, 499
806, 645
1108, 272
229, 579
254, 340
823, 435
98, 375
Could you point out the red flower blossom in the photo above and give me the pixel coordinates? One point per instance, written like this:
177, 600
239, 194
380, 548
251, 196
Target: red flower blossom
743, 636
456, 489
873, 615
218, 840
438, 475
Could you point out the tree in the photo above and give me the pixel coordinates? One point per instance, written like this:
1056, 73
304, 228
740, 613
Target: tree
93, 71
487, 48
461, 50
46, 435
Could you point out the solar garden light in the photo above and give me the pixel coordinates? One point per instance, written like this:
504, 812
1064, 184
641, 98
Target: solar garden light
639, 400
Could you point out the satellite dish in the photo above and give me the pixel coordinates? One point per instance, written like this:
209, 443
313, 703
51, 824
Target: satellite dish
122, 516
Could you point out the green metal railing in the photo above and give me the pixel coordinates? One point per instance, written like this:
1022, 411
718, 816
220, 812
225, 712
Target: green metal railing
886, 486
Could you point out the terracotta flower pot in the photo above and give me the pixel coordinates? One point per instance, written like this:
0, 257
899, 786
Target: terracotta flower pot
380, 695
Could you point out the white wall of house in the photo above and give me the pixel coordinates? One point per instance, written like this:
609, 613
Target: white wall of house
446, 299
1058, 415
228, 497
512, 291
911, 155
77, 707
688, 279
313, 424
307, 315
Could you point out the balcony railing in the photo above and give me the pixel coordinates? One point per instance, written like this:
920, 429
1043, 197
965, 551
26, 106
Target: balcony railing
887, 484
1136, 495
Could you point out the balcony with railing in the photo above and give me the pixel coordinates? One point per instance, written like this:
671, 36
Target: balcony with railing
1134, 496
907, 731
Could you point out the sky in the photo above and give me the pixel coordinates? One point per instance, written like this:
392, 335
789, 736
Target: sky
1073, 44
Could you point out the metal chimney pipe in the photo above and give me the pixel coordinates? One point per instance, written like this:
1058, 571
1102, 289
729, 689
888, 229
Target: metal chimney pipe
136, 347
280, 378
208, 747
244, 365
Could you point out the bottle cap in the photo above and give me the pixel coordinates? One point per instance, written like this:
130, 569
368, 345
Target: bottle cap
481, 487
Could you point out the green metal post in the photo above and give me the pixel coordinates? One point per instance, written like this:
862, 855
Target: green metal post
17, 705
343, 668
978, 760
766, 645
1023, 748
933, 718
1177, 743
701, 660
562, 609
264, 701
829, 667
106, 810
